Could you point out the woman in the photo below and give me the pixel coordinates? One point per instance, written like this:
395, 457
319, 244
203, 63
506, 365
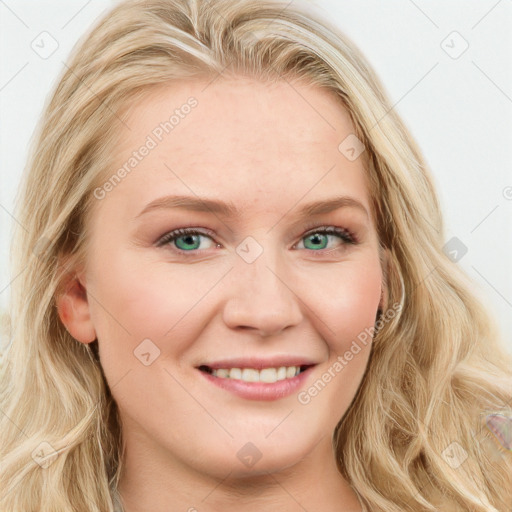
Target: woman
185, 340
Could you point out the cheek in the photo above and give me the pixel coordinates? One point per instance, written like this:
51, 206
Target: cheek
346, 301
139, 299
345, 311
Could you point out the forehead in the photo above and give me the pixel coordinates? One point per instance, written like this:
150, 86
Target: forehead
239, 139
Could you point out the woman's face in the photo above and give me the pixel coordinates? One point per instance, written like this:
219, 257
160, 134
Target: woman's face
258, 284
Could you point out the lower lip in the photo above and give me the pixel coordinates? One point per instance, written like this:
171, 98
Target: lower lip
260, 390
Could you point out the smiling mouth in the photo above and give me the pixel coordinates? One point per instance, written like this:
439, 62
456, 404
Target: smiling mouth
265, 375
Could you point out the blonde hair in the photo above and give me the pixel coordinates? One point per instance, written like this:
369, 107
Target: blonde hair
435, 370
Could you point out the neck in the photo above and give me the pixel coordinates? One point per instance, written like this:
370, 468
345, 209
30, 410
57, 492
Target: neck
313, 483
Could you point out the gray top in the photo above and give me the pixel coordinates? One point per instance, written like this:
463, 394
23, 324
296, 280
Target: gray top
119, 508
117, 501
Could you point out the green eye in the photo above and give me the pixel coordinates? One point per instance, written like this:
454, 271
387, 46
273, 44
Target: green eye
319, 238
184, 239
188, 240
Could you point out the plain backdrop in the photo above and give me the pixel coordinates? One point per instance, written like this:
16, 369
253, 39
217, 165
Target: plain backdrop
446, 66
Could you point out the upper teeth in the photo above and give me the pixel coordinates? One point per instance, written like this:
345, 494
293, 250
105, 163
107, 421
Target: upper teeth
269, 375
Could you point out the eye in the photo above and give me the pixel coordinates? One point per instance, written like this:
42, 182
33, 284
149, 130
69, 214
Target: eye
318, 238
188, 240
185, 239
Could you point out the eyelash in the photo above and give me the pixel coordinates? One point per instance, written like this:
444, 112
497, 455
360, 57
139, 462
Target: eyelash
344, 234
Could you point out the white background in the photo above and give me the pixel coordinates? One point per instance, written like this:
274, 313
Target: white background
458, 109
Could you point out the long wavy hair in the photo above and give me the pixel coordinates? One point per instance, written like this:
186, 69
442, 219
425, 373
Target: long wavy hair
437, 371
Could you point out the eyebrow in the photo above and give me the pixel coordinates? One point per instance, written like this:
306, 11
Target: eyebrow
228, 209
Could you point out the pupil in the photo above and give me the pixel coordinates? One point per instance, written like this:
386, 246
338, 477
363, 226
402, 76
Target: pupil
187, 240
316, 239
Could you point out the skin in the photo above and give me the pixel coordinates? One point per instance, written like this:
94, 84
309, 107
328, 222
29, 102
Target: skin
268, 149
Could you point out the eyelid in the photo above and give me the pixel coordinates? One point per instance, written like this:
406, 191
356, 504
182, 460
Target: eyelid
192, 230
310, 228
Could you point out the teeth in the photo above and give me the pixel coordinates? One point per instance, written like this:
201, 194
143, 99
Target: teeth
234, 373
281, 373
268, 375
290, 372
250, 375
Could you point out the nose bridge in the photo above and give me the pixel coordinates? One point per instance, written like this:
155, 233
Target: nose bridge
259, 295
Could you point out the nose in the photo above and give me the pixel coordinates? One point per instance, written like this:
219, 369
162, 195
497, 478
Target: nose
261, 299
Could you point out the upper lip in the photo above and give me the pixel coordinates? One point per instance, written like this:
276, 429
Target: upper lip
258, 363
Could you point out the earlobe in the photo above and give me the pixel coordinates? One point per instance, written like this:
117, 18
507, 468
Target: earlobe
73, 309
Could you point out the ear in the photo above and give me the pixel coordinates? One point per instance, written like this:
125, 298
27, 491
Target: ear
73, 307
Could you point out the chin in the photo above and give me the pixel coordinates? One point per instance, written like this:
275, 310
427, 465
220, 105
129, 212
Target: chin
248, 459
